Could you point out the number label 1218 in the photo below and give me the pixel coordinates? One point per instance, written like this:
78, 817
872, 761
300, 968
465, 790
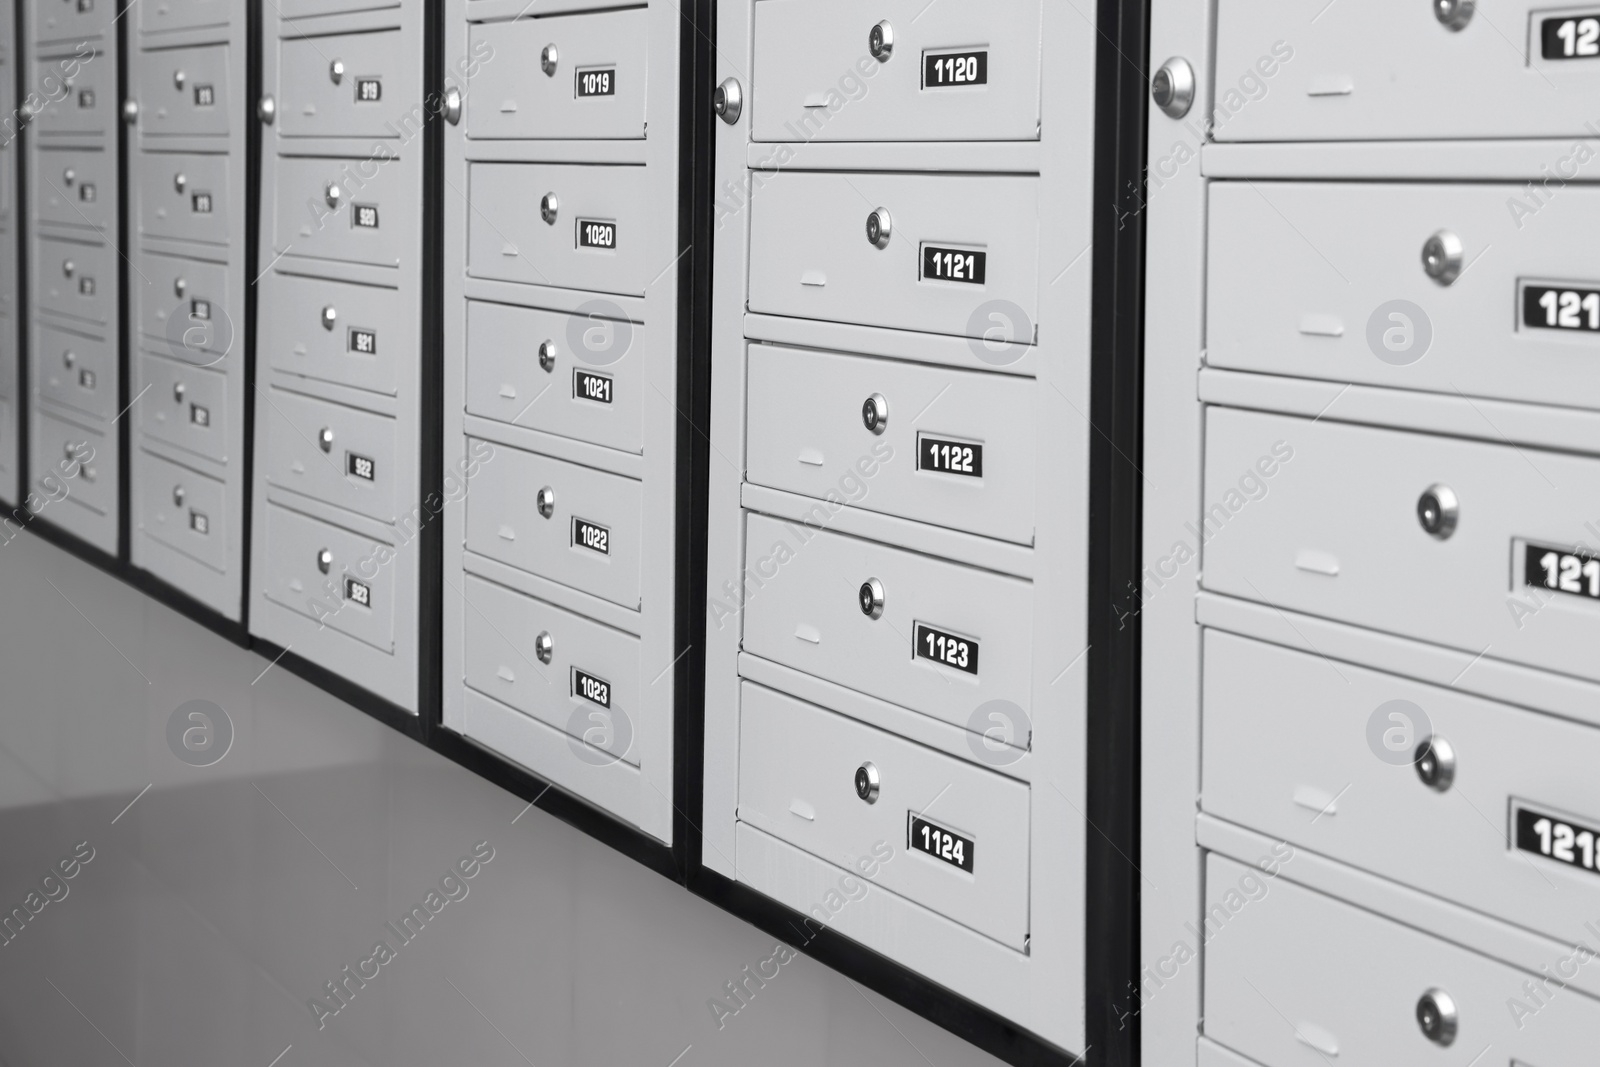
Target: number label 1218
1556, 838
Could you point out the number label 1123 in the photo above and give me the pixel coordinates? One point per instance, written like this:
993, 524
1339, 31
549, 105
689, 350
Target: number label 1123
945, 648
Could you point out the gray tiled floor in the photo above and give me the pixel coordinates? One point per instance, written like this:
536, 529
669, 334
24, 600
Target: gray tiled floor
219, 900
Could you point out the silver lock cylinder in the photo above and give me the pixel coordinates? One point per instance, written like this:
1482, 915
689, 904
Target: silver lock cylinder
180, 181
336, 71
68, 267
180, 287
177, 80
1438, 511
544, 646
1443, 257
324, 561
867, 783
178, 392
549, 59
69, 175
879, 227
1437, 1016
875, 413
1172, 88
547, 355
332, 194
727, 100
329, 316
870, 597
545, 501
1454, 14
452, 106
130, 111
880, 41
70, 358
549, 208
266, 109
177, 496
1436, 763
325, 439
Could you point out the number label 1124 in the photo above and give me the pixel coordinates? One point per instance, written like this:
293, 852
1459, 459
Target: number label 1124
941, 844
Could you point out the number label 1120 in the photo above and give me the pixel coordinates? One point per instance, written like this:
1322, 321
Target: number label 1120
942, 844
1556, 838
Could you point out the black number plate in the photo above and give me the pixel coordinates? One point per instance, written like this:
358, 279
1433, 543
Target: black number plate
86, 192
600, 82
86, 98
368, 90
86, 379
591, 535
593, 234
936, 841
1547, 307
200, 203
199, 415
1561, 571
587, 386
205, 96
86, 286
200, 309
360, 467
1570, 37
199, 523
594, 690
948, 649
953, 265
363, 342
364, 216
949, 70
949, 457
358, 592
1556, 838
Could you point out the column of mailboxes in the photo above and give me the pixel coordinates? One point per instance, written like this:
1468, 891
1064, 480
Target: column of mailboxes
10, 126
337, 512
1401, 534
560, 326
186, 281
74, 259
893, 729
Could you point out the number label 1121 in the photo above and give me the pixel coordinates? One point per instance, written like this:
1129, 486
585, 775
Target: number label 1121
942, 844
1561, 571
1547, 307
954, 265
1556, 838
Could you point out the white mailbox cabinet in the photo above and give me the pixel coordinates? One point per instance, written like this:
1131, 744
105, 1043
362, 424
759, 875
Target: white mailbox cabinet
188, 123
897, 601
562, 250
339, 517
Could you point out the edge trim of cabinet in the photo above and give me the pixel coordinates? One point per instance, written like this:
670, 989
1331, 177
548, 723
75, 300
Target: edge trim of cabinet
253, 148
124, 427
430, 385
1115, 529
19, 209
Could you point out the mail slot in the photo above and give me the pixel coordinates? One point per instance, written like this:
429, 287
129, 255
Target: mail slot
1325, 280
75, 187
935, 253
184, 196
574, 77
350, 210
567, 671
1378, 69
331, 452
1296, 977
186, 406
575, 525
956, 447
184, 91
567, 225
1397, 778
331, 575
933, 72
355, 335
184, 510
1485, 548
929, 634
349, 85
75, 370
575, 375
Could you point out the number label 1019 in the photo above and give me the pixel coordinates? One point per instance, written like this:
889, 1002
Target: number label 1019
1556, 838
945, 648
